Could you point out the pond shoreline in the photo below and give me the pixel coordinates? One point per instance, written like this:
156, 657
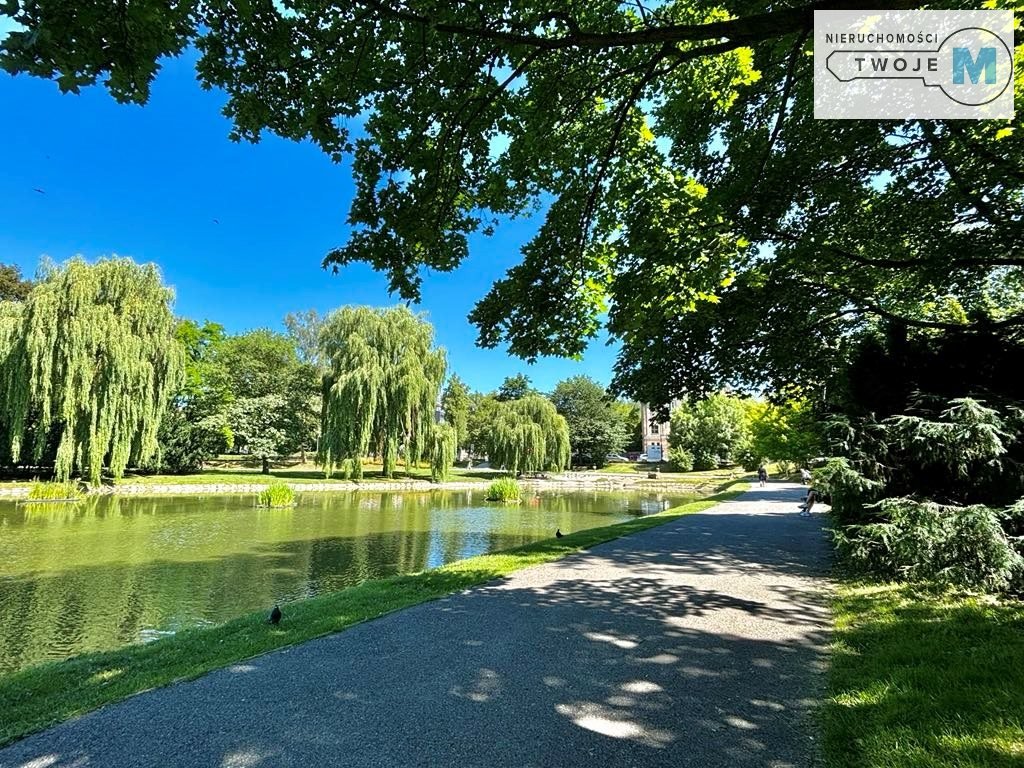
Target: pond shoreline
50, 692
569, 481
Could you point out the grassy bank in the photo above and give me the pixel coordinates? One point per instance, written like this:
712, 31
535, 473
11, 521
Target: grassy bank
40, 696
696, 477
925, 680
306, 475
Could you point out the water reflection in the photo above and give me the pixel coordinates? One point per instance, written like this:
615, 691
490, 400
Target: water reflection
115, 570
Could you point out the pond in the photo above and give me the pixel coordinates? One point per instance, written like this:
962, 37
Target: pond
116, 570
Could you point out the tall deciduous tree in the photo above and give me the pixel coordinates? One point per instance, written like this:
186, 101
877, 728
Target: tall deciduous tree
788, 432
195, 427
12, 286
274, 394
712, 431
443, 444
88, 364
382, 387
676, 146
515, 387
304, 331
529, 435
596, 428
456, 402
483, 412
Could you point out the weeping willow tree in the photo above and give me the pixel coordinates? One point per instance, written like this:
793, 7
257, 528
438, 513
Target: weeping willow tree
381, 389
443, 441
11, 369
529, 435
87, 365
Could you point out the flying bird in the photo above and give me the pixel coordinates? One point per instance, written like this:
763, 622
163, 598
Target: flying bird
275, 616
558, 533
40, 191
216, 221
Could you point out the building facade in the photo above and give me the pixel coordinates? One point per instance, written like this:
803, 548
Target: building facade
655, 433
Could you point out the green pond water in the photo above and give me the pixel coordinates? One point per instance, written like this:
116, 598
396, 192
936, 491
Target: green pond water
116, 570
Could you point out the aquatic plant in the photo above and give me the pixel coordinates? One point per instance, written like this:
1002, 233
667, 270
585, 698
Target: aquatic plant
504, 489
277, 496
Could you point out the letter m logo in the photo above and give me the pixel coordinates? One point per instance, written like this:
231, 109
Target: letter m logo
986, 60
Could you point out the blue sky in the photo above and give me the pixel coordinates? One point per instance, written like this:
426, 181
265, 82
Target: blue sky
149, 183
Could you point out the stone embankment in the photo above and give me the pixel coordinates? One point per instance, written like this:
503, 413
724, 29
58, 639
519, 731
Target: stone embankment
565, 480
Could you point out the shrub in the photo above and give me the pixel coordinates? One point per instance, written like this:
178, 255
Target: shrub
749, 460
277, 496
504, 489
846, 489
1013, 524
185, 444
925, 541
42, 491
704, 460
680, 460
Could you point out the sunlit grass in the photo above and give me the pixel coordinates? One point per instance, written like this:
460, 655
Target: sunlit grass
695, 478
925, 680
305, 474
49, 693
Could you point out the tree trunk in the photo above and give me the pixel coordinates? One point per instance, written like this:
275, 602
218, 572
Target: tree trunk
266, 466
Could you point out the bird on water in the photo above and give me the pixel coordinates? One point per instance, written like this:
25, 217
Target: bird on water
558, 533
275, 616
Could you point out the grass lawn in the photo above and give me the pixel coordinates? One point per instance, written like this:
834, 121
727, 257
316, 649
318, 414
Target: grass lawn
49, 693
704, 477
304, 474
923, 680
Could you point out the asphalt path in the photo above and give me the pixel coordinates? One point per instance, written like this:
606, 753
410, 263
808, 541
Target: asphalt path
700, 642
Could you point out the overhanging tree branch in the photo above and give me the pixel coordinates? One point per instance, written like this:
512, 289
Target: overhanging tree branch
742, 30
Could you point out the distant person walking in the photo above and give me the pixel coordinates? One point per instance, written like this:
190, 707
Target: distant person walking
805, 476
762, 476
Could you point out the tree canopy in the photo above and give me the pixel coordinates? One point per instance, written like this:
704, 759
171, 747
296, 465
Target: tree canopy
248, 392
709, 433
88, 363
383, 384
12, 286
596, 427
515, 388
787, 433
673, 149
528, 435
304, 331
455, 401
195, 426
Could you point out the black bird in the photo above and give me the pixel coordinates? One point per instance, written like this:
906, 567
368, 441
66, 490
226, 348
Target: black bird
275, 616
558, 533
40, 191
215, 221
